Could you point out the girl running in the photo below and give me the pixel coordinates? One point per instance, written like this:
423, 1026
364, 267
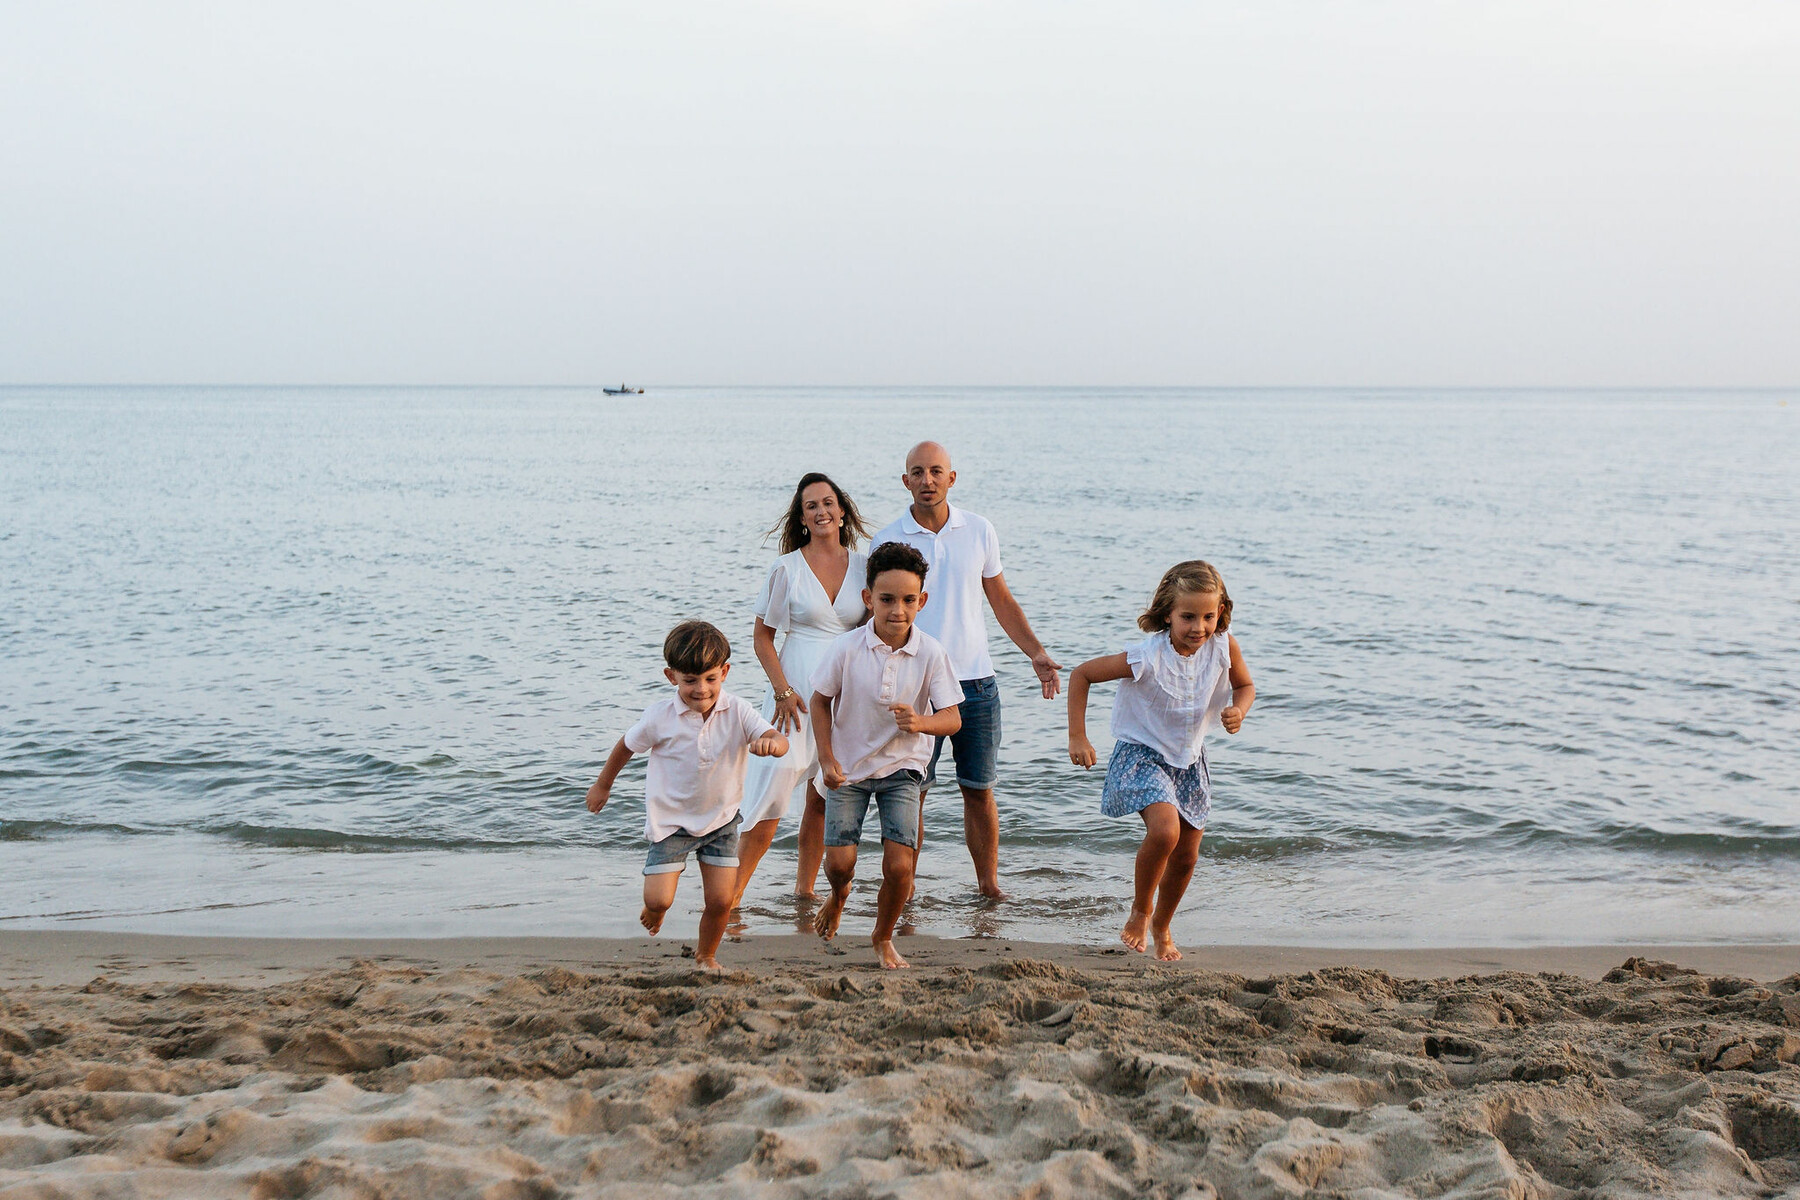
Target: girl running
1176, 684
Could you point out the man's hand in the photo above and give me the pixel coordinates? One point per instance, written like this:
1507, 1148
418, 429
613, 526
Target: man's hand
769, 745
832, 774
1232, 719
1081, 752
905, 718
1047, 668
597, 798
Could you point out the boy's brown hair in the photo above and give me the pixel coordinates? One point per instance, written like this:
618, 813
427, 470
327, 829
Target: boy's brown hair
1190, 576
896, 556
695, 647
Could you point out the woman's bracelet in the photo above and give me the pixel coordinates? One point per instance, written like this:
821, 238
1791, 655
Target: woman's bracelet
783, 694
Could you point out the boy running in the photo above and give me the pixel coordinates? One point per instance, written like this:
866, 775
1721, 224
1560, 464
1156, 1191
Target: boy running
883, 693
699, 742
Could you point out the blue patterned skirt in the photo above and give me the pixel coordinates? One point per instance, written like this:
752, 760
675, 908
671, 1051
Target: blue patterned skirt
1137, 777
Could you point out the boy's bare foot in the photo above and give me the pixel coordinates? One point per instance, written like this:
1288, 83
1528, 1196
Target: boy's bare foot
890, 957
708, 964
1134, 934
1166, 950
650, 921
826, 923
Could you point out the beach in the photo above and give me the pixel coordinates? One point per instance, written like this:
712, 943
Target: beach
138, 1065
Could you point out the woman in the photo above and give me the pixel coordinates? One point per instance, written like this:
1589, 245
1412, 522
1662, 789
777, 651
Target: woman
813, 594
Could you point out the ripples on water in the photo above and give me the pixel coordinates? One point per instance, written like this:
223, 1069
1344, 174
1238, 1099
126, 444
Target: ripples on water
1526, 662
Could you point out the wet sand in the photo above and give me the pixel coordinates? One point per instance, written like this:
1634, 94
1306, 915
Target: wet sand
134, 1065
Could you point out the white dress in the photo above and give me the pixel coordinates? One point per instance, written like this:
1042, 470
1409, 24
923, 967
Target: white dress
794, 603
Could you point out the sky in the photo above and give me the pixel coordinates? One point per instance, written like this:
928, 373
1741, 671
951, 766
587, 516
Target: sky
1269, 193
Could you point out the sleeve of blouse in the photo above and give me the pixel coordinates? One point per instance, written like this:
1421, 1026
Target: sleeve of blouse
772, 604
1140, 660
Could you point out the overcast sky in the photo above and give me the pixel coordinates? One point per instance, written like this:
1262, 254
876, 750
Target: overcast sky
1414, 193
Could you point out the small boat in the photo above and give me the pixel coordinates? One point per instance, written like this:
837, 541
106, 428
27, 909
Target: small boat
622, 390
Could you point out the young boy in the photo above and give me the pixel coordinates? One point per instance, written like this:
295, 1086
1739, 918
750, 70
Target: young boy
882, 694
698, 744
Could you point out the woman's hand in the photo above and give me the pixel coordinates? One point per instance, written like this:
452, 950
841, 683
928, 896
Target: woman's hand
787, 712
1081, 752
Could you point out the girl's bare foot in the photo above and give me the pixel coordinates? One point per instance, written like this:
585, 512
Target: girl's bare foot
708, 964
1166, 950
650, 920
1134, 934
826, 923
890, 957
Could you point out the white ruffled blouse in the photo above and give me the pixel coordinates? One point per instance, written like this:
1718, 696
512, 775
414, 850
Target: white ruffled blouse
1170, 702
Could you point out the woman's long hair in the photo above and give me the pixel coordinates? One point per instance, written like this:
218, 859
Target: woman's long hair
792, 526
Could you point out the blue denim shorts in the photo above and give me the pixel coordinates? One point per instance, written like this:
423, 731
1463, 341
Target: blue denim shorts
896, 797
976, 746
716, 849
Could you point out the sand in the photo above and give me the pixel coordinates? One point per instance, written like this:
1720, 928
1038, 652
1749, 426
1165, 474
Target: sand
193, 1067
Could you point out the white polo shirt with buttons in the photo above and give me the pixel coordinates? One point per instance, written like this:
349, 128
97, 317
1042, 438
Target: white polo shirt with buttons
694, 781
957, 558
863, 675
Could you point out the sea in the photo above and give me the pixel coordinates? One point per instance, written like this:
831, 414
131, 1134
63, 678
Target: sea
343, 661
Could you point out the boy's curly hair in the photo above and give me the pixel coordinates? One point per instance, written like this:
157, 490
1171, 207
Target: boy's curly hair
1190, 576
695, 647
896, 556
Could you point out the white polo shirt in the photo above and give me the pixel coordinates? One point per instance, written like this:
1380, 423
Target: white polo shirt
695, 778
864, 675
957, 558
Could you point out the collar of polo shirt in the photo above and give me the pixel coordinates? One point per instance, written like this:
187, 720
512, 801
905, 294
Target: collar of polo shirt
871, 639
911, 524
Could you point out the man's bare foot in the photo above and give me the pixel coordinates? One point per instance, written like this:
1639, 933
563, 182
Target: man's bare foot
651, 921
890, 957
991, 891
709, 963
826, 923
806, 895
1166, 950
1134, 934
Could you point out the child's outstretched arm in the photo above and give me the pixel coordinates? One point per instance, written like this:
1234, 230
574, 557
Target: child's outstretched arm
1094, 670
1243, 691
602, 790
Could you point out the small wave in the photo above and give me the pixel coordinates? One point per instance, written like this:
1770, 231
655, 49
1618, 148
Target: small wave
285, 837
31, 831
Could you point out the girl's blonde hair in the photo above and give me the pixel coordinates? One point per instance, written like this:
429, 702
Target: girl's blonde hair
1190, 576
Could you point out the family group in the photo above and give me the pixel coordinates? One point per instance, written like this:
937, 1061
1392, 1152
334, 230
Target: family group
883, 660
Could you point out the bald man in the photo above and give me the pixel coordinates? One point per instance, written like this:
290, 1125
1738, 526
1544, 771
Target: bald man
962, 555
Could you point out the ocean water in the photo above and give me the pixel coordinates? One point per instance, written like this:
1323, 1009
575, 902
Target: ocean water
344, 661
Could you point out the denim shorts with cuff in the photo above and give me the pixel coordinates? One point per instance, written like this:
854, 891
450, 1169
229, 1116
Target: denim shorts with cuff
896, 798
976, 746
716, 849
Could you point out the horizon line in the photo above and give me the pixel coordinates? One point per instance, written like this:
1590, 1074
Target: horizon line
1058, 387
